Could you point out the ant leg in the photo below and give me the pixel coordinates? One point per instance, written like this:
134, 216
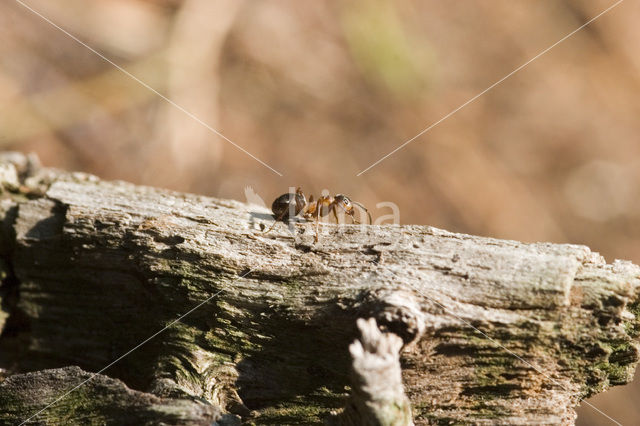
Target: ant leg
350, 214
276, 221
319, 207
335, 214
317, 224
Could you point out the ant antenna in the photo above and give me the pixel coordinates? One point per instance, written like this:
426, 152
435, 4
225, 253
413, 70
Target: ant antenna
363, 208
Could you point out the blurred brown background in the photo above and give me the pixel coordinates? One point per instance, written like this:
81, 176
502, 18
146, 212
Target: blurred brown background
320, 90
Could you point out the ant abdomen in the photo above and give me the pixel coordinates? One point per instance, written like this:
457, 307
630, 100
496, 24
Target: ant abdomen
288, 205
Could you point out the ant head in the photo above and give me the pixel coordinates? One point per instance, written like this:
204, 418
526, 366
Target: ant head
344, 202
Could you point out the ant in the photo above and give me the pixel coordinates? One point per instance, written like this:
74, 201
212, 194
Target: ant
288, 205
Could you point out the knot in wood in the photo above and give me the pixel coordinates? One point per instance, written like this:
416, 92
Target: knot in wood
396, 311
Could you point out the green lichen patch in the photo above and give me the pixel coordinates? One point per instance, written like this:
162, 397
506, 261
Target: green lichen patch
632, 327
301, 410
489, 410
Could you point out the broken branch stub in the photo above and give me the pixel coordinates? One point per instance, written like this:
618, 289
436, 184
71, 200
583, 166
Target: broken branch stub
377, 397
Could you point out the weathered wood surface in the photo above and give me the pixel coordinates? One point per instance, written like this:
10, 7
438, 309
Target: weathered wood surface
98, 400
494, 331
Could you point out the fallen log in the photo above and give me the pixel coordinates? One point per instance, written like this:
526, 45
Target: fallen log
491, 331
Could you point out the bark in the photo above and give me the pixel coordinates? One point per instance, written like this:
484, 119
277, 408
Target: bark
493, 331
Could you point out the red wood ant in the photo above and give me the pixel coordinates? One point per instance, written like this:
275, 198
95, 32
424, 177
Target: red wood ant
288, 205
